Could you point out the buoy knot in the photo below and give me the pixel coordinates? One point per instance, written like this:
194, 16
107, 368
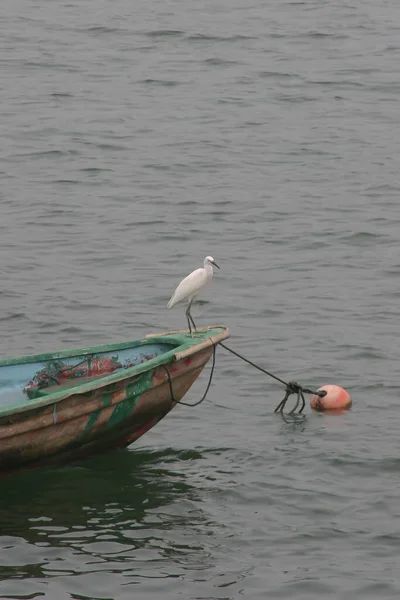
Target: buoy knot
294, 388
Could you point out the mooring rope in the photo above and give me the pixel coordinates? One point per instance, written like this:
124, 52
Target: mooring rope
207, 388
291, 387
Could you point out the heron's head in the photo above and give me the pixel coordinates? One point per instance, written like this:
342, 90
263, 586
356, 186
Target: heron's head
210, 261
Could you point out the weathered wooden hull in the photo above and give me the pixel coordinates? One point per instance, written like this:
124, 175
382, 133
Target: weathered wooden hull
111, 416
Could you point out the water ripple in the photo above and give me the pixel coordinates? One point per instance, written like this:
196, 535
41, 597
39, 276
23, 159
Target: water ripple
269, 141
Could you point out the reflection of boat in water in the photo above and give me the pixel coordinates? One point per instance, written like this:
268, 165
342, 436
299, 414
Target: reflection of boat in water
72, 495
78, 516
62, 406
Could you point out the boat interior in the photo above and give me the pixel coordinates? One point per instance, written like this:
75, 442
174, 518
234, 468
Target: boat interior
39, 375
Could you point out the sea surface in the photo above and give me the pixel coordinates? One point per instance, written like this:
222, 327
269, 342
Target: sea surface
137, 137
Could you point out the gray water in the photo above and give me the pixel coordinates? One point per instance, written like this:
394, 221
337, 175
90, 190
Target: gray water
136, 138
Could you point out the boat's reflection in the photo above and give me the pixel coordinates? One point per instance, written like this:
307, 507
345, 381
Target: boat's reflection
110, 507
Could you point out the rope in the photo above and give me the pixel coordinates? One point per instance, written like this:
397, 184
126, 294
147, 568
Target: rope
291, 387
207, 388
252, 364
46, 378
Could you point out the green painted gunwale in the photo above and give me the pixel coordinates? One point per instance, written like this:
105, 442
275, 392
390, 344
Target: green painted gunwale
178, 341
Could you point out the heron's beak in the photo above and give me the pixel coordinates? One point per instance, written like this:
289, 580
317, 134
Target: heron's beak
215, 264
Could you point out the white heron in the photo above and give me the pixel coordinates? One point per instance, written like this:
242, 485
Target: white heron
191, 286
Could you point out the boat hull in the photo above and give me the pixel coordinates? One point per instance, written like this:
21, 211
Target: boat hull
110, 417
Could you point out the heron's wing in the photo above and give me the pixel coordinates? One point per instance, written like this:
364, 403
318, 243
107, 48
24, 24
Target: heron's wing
189, 286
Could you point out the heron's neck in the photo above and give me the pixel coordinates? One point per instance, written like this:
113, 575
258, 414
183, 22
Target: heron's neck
208, 268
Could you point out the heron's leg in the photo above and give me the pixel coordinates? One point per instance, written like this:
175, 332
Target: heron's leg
193, 323
189, 318
189, 314
190, 327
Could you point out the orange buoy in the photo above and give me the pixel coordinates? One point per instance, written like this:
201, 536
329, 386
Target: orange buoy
336, 398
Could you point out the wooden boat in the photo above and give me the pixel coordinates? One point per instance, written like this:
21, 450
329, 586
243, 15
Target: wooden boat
58, 407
